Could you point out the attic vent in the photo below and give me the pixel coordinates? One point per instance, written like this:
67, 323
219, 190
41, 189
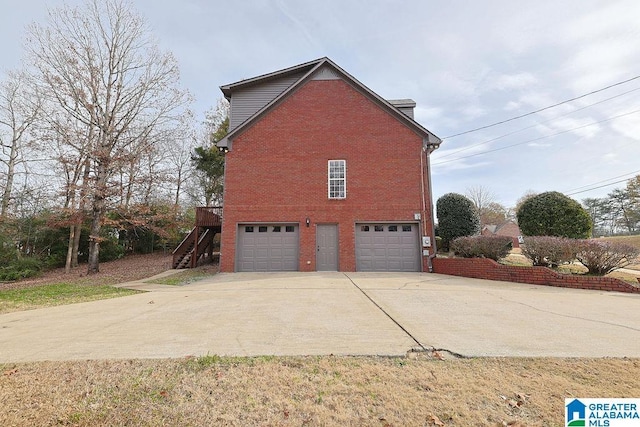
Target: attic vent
326, 73
406, 106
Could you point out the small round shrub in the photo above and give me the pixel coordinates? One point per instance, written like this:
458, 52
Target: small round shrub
554, 214
548, 251
457, 217
492, 247
602, 257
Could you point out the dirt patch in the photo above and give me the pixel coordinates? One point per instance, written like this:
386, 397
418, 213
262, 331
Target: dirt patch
129, 268
300, 391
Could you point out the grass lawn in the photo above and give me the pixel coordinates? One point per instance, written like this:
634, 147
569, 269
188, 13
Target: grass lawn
629, 240
308, 391
56, 294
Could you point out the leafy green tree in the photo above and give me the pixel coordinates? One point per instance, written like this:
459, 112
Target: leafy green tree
208, 160
457, 217
554, 214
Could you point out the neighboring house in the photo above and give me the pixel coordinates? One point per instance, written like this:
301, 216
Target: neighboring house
508, 228
322, 173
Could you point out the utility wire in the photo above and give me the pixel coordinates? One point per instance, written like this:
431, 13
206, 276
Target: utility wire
571, 192
541, 109
535, 139
595, 188
468, 147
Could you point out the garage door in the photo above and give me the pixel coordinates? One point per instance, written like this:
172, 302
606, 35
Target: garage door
387, 247
272, 247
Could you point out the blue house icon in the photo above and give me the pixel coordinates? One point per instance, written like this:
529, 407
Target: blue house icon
575, 410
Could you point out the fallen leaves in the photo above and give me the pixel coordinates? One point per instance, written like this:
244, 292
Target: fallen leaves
517, 401
10, 372
437, 355
435, 421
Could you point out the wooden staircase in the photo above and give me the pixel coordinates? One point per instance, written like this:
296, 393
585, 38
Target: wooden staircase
200, 240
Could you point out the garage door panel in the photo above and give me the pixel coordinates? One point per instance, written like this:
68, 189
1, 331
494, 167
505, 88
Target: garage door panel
267, 247
396, 253
387, 247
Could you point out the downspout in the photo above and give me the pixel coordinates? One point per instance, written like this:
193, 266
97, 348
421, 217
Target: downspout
428, 148
423, 154
224, 149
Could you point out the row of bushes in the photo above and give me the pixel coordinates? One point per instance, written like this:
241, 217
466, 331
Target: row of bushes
20, 260
20, 269
599, 257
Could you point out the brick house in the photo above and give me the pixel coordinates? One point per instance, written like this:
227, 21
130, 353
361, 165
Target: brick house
322, 174
507, 228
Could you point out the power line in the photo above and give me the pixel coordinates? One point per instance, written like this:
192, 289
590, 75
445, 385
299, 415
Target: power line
468, 147
595, 188
572, 192
541, 109
535, 139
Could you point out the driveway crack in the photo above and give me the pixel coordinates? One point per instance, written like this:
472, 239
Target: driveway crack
564, 315
422, 347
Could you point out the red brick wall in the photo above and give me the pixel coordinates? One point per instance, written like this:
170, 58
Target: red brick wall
483, 268
276, 170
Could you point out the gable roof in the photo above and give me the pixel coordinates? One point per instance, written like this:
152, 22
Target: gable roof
307, 70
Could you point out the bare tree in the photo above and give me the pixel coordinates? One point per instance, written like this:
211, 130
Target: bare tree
484, 201
70, 143
19, 107
179, 161
98, 64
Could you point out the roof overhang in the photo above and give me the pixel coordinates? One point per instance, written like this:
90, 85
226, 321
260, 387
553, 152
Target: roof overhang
430, 141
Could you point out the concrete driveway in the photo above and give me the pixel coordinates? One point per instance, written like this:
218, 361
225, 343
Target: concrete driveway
247, 314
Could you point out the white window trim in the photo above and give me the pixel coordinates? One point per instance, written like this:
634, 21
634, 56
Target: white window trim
329, 179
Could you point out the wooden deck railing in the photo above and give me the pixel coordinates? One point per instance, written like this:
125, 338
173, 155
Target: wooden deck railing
209, 216
208, 223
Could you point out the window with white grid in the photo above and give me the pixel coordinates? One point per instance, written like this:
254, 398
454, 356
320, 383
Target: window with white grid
337, 179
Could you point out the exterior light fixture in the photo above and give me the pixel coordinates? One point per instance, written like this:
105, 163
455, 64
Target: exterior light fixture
308, 221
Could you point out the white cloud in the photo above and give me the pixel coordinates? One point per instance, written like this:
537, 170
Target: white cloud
628, 126
512, 81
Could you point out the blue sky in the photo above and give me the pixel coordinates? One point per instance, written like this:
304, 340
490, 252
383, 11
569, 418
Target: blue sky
467, 64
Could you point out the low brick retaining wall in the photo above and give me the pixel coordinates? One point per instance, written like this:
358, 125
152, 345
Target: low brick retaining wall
483, 268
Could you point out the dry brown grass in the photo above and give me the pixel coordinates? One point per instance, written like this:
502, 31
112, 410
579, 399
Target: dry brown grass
629, 240
297, 391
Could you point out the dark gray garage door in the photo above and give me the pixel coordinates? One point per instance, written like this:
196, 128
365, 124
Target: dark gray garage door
387, 247
272, 247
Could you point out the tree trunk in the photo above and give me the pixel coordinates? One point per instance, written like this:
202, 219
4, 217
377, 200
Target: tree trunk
76, 244
99, 204
177, 199
11, 166
68, 262
94, 236
81, 208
